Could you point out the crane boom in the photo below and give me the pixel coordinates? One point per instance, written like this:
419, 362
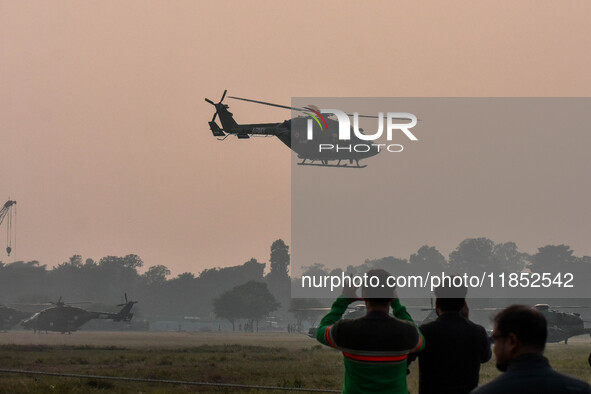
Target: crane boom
5, 210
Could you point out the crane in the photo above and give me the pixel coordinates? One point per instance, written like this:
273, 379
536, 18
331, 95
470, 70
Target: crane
7, 211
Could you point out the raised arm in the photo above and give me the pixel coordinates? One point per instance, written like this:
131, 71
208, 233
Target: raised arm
336, 312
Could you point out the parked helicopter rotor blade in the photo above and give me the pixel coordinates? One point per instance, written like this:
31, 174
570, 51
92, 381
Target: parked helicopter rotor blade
214, 116
209, 101
224, 95
571, 307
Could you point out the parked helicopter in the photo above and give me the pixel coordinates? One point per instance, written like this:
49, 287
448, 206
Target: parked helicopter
66, 319
10, 317
293, 133
562, 325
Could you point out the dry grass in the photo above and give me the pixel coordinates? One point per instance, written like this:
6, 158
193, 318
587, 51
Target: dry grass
270, 359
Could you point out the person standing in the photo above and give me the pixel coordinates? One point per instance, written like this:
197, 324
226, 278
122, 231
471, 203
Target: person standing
456, 346
519, 340
375, 347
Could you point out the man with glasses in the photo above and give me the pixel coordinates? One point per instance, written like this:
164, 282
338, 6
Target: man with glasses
519, 338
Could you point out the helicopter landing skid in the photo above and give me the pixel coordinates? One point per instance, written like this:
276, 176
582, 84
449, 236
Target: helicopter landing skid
330, 165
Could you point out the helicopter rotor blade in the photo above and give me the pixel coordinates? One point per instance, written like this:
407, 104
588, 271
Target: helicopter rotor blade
209, 101
301, 109
224, 95
270, 104
571, 307
214, 116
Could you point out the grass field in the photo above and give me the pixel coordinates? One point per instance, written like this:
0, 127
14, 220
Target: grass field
267, 359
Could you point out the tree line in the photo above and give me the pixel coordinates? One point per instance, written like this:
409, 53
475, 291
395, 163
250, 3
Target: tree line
245, 292
104, 283
472, 255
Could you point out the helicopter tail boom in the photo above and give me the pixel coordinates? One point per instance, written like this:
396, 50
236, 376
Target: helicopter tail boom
125, 313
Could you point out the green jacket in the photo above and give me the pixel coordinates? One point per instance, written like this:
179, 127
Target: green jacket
375, 347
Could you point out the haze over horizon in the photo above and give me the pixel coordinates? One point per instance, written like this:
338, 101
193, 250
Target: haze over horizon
107, 150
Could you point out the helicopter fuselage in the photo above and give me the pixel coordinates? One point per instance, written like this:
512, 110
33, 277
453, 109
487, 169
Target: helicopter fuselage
60, 318
10, 317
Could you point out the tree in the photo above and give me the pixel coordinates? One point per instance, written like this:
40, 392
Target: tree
251, 300
508, 258
20, 279
227, 307
156, 275
427, 259
279, 259
118, 274
315, 269
257, 300
74, 262
131, 262
278, 277
391, 264
552, 258
90, 263
185, 276
473, 255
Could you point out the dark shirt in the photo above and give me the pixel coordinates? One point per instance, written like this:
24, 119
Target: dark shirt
531, 373
455, 348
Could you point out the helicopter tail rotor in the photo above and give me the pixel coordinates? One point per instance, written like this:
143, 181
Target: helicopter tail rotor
219, 106
125, 313
216, 113
127, 301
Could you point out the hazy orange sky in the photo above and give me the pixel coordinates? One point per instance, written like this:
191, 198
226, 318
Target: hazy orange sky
104, 135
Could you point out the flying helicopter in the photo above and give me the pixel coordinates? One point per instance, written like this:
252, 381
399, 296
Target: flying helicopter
64, 318
292, 132
10, 317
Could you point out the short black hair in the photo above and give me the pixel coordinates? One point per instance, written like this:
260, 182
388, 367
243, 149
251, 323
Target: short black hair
526, 323
380, 294
450, 297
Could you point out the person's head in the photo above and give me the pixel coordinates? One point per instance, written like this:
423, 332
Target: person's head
450, 298
518, 329
377, 292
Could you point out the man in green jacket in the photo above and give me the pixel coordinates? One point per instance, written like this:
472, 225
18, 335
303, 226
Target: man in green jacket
375, 347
